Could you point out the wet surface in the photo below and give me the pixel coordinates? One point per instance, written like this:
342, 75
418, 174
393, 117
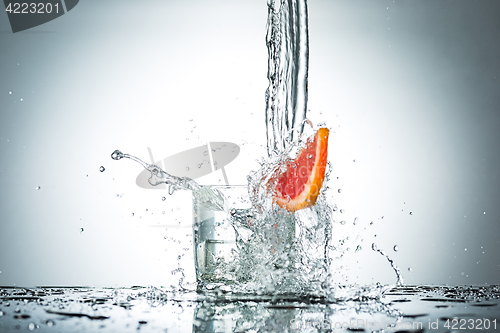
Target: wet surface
149, 309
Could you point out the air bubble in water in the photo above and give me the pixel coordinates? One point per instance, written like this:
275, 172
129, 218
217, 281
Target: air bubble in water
395, 248
37, 188
340, 190
82, 230
31, 326
101, 169
409, 269
411, 213
163, 198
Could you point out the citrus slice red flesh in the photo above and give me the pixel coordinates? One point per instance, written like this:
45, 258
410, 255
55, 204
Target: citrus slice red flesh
299, 186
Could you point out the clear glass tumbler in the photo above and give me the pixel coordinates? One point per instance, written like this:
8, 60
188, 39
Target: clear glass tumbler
215, 249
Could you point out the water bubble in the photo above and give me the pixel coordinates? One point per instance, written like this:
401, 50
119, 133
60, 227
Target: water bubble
342, 211
82, 230
374, 247
411, 213
465, 249
355, 221
49, 323
37, 188
163, 198
163, 212
335, 208
409, 269
101, 169
10, 92
132, 214
340, 190
310, 156
187, 168
21, 99
342, 222
31, 326
395, 248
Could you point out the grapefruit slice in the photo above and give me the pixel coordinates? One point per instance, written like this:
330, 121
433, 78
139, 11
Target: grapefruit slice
298, 187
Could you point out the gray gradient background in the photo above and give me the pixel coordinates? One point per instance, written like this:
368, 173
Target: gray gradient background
411, 90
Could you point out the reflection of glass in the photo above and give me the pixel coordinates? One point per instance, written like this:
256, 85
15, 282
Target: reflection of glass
215, 237
262, 315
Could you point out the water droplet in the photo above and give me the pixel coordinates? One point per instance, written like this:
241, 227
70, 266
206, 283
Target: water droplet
10, 92
199, 165
116, 155
374, 247
354, 161
484, 213
163, 198
465, 249
371, 223
163, 212
1, 313
411, 213
146, 210
358, 248
342, 222
50, 323
355, 221
187, 168
340, 190
395, 248
409, 269
310, 156
342, 211
37, 188
31, 326
335, 208
101, 169
82, 230
132, 214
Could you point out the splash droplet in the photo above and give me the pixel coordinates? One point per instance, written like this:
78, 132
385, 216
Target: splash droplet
101, 169
342, 222
37, 188
374, 247
355, 221
82, 230
163, 198
10, 92
31, 326
187, 168
340, 190
342, 211
411, 213
409, 269
117, 155
395, 248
